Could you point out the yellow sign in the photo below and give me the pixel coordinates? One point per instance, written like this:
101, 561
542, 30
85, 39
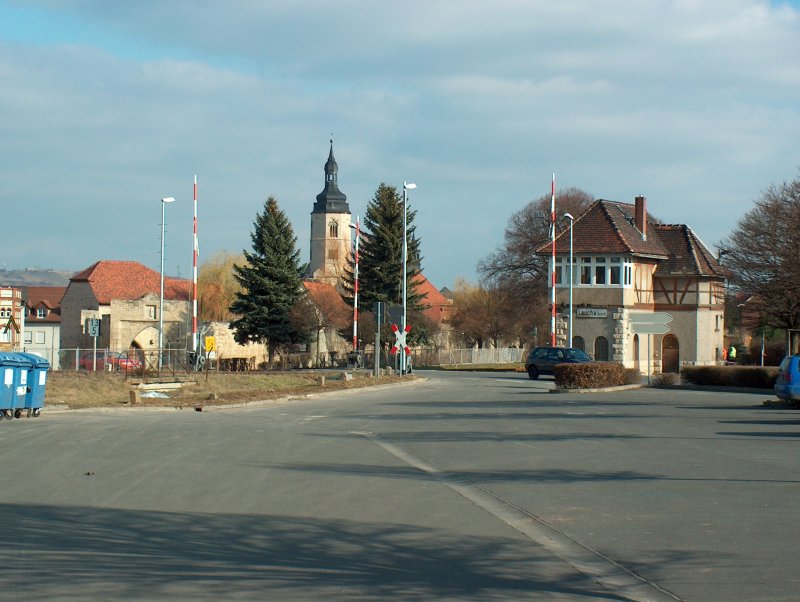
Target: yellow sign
211, 344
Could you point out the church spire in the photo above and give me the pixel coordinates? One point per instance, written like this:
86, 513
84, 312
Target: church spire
331, 199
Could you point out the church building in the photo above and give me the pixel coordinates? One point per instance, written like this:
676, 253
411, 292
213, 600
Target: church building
331, 239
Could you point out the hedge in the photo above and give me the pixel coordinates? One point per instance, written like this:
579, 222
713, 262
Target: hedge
755, 377
589, 375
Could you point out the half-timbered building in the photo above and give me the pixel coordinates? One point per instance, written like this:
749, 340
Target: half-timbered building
627, 265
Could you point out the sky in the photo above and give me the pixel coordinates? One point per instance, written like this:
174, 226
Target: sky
107, 107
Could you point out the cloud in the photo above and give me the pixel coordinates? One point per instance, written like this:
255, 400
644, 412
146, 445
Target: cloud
110, 106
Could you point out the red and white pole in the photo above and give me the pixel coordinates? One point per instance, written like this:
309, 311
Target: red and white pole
553, 263
194, 273
355, 288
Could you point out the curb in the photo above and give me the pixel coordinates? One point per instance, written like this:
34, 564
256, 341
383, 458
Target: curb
598, 390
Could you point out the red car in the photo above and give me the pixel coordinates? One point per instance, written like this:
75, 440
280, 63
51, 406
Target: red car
109, 360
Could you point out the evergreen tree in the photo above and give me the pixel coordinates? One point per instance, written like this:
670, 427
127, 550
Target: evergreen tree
271, 284
380, 266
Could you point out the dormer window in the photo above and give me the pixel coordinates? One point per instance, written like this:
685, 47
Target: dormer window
41, 313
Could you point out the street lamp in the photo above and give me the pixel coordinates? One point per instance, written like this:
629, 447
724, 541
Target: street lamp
406, 187
164, 202
357, 228
571, 219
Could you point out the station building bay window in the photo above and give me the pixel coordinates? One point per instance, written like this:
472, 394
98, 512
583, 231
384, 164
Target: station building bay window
595, 270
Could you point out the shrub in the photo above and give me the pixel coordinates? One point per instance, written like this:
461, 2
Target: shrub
589, 375
731, 376
633, 376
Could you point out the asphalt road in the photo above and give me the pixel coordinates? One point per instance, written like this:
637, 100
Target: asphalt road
465, 486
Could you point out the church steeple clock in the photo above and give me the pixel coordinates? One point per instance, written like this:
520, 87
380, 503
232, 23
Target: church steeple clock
330, 228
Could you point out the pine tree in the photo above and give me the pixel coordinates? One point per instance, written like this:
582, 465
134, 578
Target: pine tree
380, 266
271, 284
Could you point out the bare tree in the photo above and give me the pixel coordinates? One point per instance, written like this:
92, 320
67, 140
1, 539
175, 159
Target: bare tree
517, 270
762, 256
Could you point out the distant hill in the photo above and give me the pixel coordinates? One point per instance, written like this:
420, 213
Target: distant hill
35, 277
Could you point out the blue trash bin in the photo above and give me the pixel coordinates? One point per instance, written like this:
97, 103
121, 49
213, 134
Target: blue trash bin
13, 382
37, 381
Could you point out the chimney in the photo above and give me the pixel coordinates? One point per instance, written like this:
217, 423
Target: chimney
640, 216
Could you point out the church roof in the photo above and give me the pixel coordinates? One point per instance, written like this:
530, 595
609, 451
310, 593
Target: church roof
331, 199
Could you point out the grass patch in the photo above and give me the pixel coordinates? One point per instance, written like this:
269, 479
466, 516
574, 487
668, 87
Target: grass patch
81, 390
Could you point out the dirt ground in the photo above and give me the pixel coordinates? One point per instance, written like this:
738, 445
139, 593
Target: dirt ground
79, 390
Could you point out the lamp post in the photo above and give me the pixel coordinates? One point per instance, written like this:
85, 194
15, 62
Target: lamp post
571, 219
164, 202
357, 228
406, 187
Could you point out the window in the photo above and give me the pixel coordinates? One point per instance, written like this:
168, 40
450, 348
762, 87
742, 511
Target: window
41, 312
600, 270
28, 336
151, 312
586, 270
40, 338
333, 229
614, 271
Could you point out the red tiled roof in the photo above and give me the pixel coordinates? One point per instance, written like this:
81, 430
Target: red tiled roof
687, 253
608, 227
48, 297
328, 300
128, 280
45, 296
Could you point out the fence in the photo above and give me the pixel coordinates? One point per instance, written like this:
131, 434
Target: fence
134, 361
458, 357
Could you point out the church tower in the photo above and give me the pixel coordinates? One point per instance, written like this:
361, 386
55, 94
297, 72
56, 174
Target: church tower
330, 229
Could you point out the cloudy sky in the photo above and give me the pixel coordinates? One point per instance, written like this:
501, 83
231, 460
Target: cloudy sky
109, 106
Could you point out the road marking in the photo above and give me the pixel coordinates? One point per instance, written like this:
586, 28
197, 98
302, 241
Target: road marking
607, 572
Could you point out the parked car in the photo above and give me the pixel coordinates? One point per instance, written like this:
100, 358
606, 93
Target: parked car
542, 360
787, 386
109, 360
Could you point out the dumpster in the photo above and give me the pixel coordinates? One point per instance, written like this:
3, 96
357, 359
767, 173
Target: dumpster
37, 379
13, 382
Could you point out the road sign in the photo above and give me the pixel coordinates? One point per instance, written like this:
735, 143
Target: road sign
400, 339
649, 328
93, 327
210, 344
656, 317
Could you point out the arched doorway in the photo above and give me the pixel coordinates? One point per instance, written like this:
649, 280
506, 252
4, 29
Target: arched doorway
636, 352
670, 354
579, 343
601, 349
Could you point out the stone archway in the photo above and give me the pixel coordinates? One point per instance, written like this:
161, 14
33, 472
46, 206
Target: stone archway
670, 354
146, 345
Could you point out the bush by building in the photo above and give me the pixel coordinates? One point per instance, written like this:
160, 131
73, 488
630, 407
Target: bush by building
755, 377
590, 375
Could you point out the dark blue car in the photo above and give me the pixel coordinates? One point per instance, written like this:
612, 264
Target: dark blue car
787, 387
542, 360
